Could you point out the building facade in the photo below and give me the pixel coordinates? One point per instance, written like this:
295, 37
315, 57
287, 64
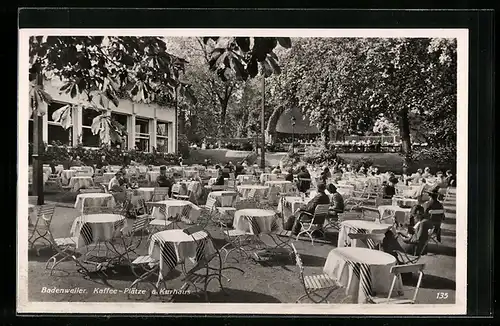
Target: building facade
148, 125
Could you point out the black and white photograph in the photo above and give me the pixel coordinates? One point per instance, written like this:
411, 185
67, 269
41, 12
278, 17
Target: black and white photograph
243, 171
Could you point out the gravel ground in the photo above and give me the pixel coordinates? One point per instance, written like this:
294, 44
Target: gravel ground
273, 283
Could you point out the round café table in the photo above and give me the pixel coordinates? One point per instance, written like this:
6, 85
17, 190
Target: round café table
282, 185
95, 228
364, 273
175, 247
404, 202
152, 175
107, 176
264, 177
359, 226
260, 191
225, 198
94, 200
399, 215
255, 220
78, 182
174, 207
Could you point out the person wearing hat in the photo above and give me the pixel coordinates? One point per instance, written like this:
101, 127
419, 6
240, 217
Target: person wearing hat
304, 179
336, 201
164, 181
434, 204
219, 181
305, 214
389, 190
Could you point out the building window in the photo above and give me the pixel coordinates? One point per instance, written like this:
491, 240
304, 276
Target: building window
142, 135
55, 131
121, 119
89, 139
162, 136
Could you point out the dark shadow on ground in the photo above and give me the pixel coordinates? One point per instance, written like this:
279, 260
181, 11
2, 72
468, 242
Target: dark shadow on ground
441, 249
231, 296
433, 282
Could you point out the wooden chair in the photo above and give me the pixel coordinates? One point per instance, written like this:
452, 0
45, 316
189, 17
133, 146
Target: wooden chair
321, 212
314, 283
396, 271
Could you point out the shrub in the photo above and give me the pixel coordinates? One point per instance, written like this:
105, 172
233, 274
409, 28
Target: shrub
318, 154
359, 162
439, 158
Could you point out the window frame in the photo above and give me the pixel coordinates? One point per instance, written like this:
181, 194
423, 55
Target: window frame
165, 137
90, 128
53, 123
141, 135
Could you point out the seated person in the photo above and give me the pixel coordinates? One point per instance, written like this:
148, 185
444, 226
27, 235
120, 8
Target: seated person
336, 201
116, 183
325, 174
53, 167
289, 175
276, 170
412, 243
427, 173
434, 204
303, 185
449, 180
77, 162
226, 170
389, 190
319, 199
220, 179
164, 181
238, 169
102, 164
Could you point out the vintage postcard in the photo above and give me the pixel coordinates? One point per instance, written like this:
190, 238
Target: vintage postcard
242, 171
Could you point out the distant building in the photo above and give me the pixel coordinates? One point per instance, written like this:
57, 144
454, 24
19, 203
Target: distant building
147, 125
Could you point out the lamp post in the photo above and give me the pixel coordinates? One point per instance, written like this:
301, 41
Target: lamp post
293, 133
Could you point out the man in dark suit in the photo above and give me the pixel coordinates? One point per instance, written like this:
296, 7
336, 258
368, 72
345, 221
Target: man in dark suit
220, 178
319, 199
336, 202
289, 176
238, 169
164, 181
303, 185
434, 204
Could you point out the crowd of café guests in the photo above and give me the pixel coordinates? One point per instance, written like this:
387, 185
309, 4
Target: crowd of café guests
412, 240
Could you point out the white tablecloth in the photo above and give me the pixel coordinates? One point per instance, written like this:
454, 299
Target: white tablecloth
260, 191
358, 226
76, 183
211, 173
289, 205
173, 207
94, 200
195, 187
401, 215
94, 228
228, 201
362, 272
264, 177
404, 202
172, 247
256, 221
152, 175
244, 178
107, 176
191, 173
282, 185
66, 175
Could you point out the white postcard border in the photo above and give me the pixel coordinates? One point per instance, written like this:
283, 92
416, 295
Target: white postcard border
459, 308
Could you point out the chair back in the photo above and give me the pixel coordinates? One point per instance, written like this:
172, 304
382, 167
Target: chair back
298, 261
45, 214
176, 188
231, 176
211, 202
105, 187
321, 212
397, 270
140, 224
436, 214
227, 200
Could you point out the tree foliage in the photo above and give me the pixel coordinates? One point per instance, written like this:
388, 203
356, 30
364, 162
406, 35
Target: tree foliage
346, 83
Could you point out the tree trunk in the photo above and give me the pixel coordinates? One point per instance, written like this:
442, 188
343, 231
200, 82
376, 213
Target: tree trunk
325, 133
37, 161
404, 132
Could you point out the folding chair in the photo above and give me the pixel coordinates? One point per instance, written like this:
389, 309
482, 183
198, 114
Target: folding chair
397, 271
159, 224
358, 199
41, 227
54, 180
176, 189
308, 228
226, 213
314, 283
236, 240
194, 277
370, 240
